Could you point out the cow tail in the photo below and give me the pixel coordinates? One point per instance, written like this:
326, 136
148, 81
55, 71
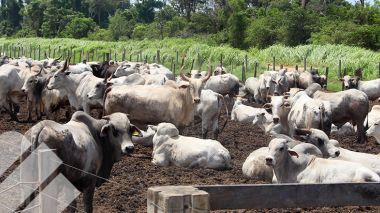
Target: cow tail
220, 97
104, 99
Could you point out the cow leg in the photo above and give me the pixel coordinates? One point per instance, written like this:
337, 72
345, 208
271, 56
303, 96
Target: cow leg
72, 207
8, 107
361, 134
88, 196
68, 114
100, 113
215, 129
30, 109
204, 128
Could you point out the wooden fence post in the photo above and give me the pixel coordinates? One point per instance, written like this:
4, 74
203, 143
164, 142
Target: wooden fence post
274, 63
174, 70
344, 73
221, 60
123, 56
87, 57
327, 76
177, 57
130, 57
243, 72
304, 63
255, 70
268, 67
74, 61
49, 51
39, 52
245, 64
177, 199
80, 56
340, 69
158, 56
141, 56
192, 65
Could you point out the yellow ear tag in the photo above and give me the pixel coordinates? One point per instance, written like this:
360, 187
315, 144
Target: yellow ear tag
136, 133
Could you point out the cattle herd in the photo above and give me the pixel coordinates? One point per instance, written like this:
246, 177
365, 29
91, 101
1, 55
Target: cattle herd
142, 103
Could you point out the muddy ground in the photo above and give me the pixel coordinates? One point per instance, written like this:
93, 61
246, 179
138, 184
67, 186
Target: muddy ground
133, 175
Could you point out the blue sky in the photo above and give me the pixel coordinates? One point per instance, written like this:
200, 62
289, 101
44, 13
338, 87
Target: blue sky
369, 1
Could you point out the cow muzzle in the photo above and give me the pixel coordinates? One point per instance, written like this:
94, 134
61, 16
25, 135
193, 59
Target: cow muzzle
128, 149
269, 161
276, 120
197, 100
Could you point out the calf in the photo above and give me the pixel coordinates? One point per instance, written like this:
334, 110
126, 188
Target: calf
290, 166
170, 148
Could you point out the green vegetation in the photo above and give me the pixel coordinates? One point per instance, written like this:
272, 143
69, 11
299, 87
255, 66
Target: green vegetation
242, 24
318, 56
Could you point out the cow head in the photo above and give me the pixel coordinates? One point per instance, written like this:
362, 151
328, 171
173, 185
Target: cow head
374, 131
196, 85
119, 132
220, 70
278, 152
281, 83
319, 139
31, 82
58, 80
259, 120
50, 62
279, 107
97, 92
349, 82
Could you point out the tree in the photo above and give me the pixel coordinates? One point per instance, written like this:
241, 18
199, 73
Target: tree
186, 7
123, 23
78, 28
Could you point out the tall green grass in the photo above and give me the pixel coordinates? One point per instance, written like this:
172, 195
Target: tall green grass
317, 56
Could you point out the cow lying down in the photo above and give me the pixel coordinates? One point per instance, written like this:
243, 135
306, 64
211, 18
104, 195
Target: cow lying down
170, 148
256, 168
290, 166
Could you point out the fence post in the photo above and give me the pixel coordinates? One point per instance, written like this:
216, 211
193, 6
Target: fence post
344, 73
80, 56
59, 52
243, 72
174, 70
177, 57
87, 57
304, 63
221, 60
49, 51
39, 52
327, 76
268, 67
130, 57
74, 61
22, 51
340, 69
192, 65
158, 56
123, 56
274, 63
246, 64
169, 199
255, 70
93, 55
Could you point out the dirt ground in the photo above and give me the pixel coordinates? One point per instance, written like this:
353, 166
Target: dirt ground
133, 175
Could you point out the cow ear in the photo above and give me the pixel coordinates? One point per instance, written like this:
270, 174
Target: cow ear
67, 73
134, 131
154, 128
293, 153
105, 129
108, 84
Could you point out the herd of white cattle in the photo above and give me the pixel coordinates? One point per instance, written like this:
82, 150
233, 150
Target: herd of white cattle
131, 96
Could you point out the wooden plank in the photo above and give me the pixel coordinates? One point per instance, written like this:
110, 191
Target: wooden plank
258, 196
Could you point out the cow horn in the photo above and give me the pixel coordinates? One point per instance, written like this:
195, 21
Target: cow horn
39, 72
267, 106
109, 79
184, 77
208, 73
66, 65
57, 59
302, 131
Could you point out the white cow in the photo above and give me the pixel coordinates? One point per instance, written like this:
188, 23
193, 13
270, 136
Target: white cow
374, 131
246, 114
147, 137
370, 161
254, 166
170, 148
373, 116
290, 166
370, 88
77, 87
209, 111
